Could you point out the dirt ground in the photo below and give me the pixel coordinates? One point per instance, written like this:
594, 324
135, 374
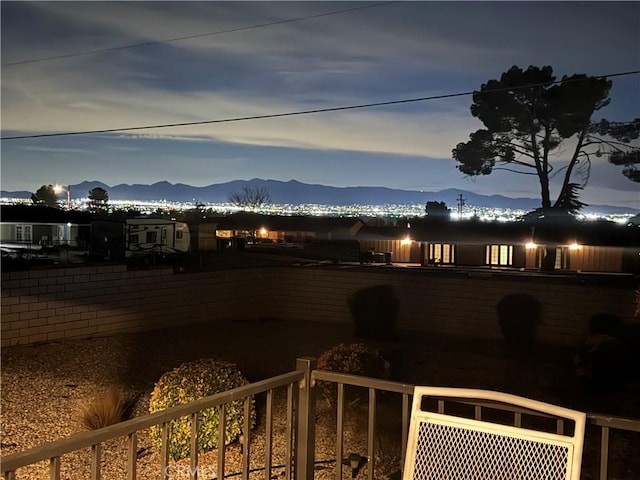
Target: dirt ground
42, 384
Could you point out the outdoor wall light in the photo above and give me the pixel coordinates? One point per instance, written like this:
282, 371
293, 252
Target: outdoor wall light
574, 246
406, 240
530, 245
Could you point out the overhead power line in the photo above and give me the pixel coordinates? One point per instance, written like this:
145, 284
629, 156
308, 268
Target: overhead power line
199, 35
307, 112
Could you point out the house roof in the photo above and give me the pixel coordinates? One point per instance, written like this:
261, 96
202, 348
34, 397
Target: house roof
470, 232
34, 214
254, 221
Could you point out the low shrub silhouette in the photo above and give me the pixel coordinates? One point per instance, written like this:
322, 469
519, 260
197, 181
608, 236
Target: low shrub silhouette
604, 360
519, 317
374, 311
192, 381
354, 359
110, 406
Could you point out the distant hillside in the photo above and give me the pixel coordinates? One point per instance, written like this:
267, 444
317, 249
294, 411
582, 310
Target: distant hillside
294, 192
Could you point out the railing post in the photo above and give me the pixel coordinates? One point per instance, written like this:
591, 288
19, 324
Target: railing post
306, 430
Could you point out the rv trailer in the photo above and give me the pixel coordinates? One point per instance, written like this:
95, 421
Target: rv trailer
138, 237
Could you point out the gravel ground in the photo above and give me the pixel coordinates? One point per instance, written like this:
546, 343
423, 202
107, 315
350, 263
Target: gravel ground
44, 386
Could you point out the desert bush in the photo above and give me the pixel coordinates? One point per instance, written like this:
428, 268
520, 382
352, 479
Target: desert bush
192, 381
110, 406
354, 359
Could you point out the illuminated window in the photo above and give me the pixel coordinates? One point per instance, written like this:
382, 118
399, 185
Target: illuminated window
441, 253
562, 258
501, 255
24, 233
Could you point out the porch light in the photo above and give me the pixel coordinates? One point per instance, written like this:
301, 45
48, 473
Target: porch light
263, 231
574, 246
530, 245
406, 240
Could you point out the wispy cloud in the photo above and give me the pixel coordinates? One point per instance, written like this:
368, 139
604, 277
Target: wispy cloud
34, 148
180, 138
401, 50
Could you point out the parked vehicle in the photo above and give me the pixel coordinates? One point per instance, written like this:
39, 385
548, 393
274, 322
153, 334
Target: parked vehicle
138, 237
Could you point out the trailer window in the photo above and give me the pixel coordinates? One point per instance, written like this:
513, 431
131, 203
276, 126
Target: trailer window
179, 234
24, 233
152, 237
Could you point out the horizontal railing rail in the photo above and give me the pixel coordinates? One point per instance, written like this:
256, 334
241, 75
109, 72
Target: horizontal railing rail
605, 422
306, 376
52, 451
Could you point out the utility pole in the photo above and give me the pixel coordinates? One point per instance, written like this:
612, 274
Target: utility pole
461, 203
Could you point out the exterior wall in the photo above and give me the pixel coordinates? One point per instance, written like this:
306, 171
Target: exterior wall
601, 259
204, 238
586, 258
45, 305
402, 252
470, 255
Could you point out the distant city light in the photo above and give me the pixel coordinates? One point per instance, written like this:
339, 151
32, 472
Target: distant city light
487, 214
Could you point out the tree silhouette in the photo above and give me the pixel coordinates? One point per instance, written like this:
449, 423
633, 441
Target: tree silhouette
98, 199
530, 120
45, 195
437, 209
250, 197
621, 132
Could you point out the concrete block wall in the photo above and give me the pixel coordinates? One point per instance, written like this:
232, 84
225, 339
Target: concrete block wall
47, 305
456, 303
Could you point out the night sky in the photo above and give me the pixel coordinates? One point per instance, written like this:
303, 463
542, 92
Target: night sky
391, 51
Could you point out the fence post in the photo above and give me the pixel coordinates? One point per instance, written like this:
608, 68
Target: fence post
306, 430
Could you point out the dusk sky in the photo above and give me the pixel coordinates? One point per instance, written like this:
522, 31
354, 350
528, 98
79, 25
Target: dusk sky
391, 51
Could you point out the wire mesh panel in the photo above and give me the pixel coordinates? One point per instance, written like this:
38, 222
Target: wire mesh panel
444, 446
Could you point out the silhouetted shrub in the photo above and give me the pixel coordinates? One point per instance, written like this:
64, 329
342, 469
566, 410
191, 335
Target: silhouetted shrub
192, 381
603, 362
354, 359
519, 317
374, 311
110, 406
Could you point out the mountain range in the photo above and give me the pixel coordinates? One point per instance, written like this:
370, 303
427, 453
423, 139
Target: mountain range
294, 192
